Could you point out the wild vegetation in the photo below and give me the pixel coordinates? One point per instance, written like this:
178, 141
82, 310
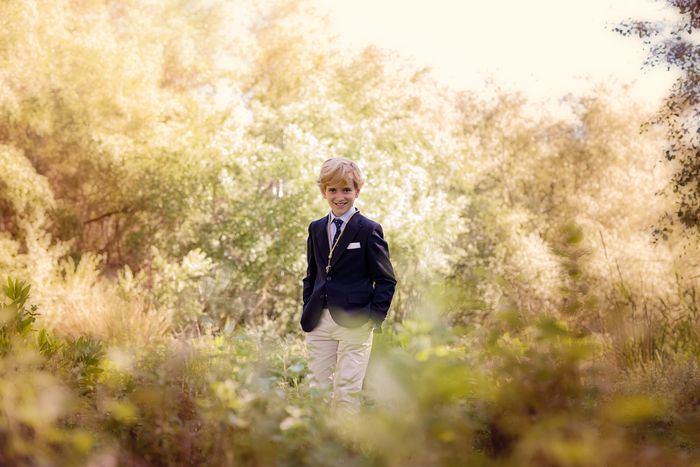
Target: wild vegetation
159, 164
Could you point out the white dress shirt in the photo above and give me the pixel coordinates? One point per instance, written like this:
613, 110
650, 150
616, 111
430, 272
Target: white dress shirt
345, 218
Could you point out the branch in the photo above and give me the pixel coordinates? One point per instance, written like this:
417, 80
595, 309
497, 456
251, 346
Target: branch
126, 210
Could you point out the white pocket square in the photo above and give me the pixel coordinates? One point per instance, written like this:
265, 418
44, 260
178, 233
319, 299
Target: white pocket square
353, 245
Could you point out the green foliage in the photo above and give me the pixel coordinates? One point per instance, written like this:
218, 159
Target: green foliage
16, 318
48, 344
160, 174
518, 392
669, 43
162, 128
34, 400
83, 357
24, 192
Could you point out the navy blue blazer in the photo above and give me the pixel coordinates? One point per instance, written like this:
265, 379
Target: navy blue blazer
360, 283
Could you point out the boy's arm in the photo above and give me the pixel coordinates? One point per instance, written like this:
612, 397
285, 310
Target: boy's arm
382, 274
310, 278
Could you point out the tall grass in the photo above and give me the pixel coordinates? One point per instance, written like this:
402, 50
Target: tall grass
523, 390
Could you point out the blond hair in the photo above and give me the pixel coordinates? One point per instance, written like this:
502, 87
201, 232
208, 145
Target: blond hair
339, 170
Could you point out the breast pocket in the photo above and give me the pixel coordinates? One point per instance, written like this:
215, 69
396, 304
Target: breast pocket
355, 259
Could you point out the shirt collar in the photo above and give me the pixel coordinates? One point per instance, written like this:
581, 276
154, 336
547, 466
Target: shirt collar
345, 217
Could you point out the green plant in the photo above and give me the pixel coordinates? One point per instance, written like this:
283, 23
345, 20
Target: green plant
15, 317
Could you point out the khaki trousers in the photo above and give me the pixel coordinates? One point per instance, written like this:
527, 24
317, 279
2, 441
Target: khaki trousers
338, 358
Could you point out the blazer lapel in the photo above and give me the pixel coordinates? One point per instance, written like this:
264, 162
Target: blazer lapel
321, 239
348, 235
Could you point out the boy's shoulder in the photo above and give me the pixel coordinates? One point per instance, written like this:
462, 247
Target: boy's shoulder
317, 222
368, 222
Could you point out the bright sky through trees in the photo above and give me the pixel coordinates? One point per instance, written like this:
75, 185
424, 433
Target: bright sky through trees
546, 48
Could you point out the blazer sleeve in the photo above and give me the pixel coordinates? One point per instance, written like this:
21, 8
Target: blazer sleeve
381, 273
310, 277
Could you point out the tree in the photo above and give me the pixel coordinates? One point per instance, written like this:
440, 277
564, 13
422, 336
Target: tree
534, 176
167, 134
670, 42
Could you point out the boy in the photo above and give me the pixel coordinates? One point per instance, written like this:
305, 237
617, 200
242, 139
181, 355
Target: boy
348, 286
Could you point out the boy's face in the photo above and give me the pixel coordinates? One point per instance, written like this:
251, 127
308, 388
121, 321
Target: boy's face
340, 197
